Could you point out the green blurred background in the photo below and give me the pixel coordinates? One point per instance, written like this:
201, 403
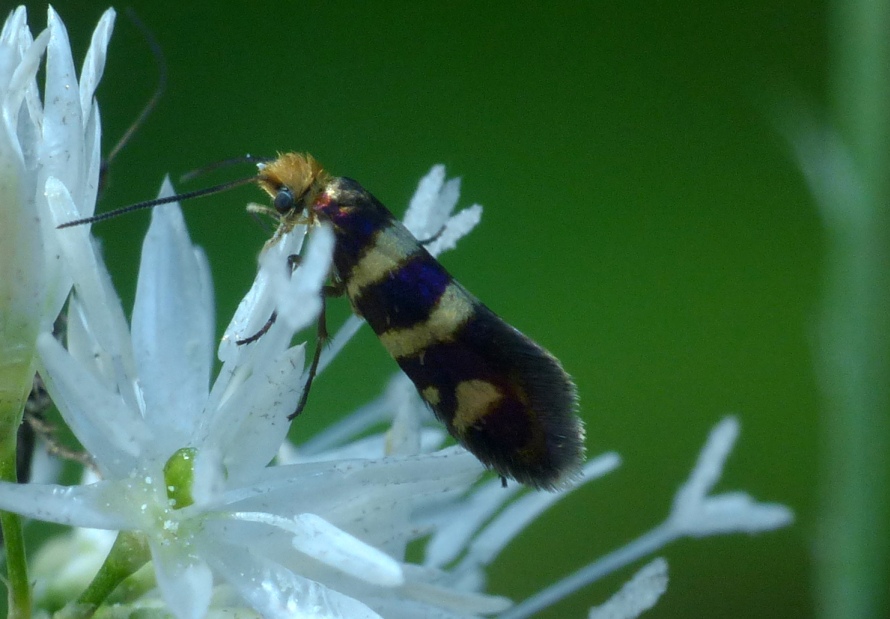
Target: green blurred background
644, 220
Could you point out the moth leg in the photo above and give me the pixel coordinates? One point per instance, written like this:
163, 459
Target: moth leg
263, 330
293, 261
321, 339
433, 238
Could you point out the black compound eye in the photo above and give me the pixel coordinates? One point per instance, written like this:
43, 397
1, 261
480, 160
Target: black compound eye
284, 201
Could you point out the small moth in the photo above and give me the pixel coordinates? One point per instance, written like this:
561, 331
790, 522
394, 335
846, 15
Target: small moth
501, 395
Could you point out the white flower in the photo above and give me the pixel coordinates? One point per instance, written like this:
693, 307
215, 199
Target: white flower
46, 143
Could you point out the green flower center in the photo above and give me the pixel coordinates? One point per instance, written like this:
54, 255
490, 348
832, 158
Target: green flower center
179, 477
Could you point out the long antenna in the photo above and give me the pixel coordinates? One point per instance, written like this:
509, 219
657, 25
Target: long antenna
150, 105
158, 201
225, 163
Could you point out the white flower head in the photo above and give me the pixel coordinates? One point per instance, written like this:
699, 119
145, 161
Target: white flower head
186, 465
48, 140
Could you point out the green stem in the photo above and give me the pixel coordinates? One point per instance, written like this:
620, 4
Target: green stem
129, 553
11, 408
853, 568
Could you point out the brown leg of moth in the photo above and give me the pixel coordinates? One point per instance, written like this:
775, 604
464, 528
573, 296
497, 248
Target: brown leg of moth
321, 339
263, 330
426, 242
293, 261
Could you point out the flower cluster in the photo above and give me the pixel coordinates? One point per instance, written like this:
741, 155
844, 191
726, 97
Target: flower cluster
194, 476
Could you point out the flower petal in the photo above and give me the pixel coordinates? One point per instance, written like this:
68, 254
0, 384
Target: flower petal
103, 315
94, 61
185, 581
260, 301
278, 593
173, 327
456, 228
316, 537
298, 296
90, 75
437, 589
637, 595
250, 426
427, 212
107, 428
20, 80
518, 515
61, 149
78, 506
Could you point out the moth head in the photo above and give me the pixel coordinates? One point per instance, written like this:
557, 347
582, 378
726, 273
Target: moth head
293, 181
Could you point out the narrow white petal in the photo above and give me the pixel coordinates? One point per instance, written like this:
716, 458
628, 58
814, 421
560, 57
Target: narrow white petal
403, 437
637, 595
340, 339
94, 62
448, 197
394, 479
278, 593
77, 506
457, 525
368, 448
734, 512
82, 345
713, 456
103, 314
456, 228
429, 214
298, 298
17, 21
461, 603
109, 430
518, 515
249, 427
316, 537
61, 149
689, 498
423, 202
185, 581
438, 589
210, 479
257, 303
260, 301
173, 327
92, 137
15, 90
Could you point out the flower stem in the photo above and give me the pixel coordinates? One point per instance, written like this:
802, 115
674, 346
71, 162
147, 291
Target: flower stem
854, 566
11, 408
129, 553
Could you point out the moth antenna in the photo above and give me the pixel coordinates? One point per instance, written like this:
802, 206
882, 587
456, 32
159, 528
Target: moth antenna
207, 191
150, 105
225, 163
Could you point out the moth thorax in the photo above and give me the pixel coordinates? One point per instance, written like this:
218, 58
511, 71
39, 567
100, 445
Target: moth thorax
301, 174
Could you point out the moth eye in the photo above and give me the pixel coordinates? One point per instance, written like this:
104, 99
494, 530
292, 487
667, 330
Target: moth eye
284, 200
